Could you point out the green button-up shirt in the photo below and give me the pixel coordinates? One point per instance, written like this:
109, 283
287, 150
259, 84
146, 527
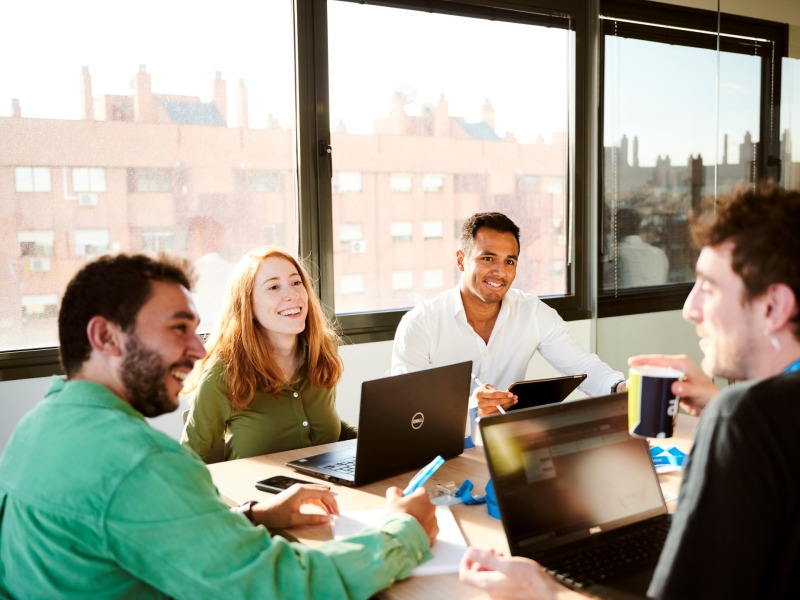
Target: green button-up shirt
298, 416
95, 503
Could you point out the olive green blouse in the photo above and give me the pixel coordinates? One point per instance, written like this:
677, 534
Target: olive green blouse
300, 415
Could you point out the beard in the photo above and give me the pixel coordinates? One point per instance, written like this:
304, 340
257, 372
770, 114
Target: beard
144, 375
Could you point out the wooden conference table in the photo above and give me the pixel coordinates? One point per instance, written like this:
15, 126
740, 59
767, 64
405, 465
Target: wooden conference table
235, 481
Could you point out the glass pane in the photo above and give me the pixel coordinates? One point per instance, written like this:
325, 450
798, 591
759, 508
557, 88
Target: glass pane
666, 146
790, 119
179, 138
430, 127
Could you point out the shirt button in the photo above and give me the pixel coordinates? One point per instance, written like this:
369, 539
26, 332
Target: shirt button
305, 423
295, 394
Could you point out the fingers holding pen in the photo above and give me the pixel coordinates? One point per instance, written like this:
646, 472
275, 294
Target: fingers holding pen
491, 400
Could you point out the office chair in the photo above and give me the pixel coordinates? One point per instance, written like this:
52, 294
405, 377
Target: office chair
217, 450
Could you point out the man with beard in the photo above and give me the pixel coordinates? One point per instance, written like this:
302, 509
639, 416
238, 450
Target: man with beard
736, 530
96, 503
497, 327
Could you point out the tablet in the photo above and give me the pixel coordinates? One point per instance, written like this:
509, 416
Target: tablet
538, 392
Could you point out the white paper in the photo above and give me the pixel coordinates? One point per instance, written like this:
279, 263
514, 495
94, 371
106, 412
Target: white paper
447, 551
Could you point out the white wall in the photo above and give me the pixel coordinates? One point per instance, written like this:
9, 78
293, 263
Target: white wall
614, 340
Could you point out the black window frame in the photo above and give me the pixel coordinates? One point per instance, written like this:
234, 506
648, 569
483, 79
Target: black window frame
314, 189
633, 16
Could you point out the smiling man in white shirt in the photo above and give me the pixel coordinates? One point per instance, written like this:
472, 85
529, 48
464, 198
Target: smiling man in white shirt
497, 327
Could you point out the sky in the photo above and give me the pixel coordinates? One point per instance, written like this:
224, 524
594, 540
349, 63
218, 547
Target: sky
669, 103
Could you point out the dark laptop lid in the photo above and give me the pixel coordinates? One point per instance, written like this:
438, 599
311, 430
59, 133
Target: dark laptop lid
538, 392
568, 471
404, 422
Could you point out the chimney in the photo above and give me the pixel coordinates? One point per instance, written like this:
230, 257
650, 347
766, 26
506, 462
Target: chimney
144, 110
244, 118
441, 123
16, 111
87, 102
635, 151
623, 150
725, 149
221, 96
488, 114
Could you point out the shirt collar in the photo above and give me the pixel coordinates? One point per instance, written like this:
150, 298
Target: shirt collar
80, 392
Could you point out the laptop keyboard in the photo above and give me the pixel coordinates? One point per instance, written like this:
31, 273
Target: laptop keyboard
612, 556
348, 466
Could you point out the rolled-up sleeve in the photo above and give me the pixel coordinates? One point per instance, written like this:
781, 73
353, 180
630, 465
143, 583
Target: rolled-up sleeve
168, 527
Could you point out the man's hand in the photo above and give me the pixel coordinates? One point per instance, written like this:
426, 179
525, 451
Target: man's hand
694, 390
489, 399
282, 511
510, 577
416, 504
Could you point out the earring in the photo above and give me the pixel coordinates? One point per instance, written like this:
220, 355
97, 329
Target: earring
776, 343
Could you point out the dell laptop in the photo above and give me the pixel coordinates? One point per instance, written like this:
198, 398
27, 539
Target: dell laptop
538, 392
578, 494
404, 422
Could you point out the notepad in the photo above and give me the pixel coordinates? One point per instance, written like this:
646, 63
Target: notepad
447, 551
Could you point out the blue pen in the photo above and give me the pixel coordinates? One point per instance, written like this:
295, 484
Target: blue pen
423, 475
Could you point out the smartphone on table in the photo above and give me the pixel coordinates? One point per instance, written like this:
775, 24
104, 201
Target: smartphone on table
277, 483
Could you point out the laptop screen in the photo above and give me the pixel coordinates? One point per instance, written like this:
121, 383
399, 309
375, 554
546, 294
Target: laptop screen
567, 471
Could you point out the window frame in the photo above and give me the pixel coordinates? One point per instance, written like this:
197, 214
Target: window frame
631, 301
380, 325
314, 156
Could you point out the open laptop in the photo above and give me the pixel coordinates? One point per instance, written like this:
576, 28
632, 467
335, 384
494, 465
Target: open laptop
538, 392
570, 481
404, 422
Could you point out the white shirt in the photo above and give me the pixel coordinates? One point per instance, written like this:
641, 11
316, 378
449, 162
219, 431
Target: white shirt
436, 333
641, 264
213, 273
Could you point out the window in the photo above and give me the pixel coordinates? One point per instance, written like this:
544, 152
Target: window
790, 124
433, 279
710, 135
39, 307
432, 230
352, 284
466, 183
264, 181
88, 179
347, 182
35, 243
91, 242
167, 144
32, 179
528, 183
149, 180
406, 128
402, 280
349, 232
432, 183
244, 150
401, 231
401, 182
158, 241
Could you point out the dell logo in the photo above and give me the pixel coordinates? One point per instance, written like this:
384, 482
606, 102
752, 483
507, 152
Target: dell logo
417, 420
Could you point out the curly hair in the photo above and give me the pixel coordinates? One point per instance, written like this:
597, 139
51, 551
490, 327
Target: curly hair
763, 222
115, 287
246, 357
